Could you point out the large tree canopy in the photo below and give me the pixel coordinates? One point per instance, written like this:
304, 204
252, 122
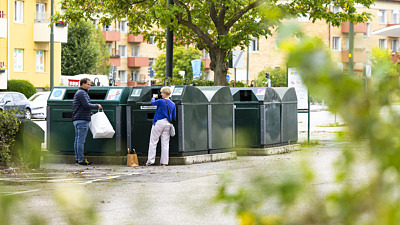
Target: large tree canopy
85, 52
217, 26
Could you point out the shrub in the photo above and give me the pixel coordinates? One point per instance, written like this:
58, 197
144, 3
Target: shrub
278, 77
22, 86
9, 126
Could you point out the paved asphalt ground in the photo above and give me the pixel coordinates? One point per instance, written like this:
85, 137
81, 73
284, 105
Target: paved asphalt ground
167, 195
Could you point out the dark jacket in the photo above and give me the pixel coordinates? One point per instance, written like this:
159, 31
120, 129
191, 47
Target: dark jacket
81, 106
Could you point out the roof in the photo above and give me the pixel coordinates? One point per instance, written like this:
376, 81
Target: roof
391, 31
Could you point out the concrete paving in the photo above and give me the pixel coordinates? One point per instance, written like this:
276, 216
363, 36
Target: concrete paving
181, 194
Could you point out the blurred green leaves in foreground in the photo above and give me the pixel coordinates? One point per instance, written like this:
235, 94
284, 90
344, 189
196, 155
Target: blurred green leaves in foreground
370, 108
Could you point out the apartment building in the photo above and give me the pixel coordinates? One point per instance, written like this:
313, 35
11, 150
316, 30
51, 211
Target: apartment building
132, 55
265, 53
25, 41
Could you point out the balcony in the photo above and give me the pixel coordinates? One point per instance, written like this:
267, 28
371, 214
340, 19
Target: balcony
206, 63
359, 56
138, 61
135, 39
3, 28
115, 60
111, 35
41, 32
358, 28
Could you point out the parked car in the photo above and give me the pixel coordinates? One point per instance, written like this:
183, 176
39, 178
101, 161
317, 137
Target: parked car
38, 103
10, 100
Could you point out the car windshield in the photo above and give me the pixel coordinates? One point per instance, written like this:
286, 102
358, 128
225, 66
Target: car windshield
39, 97
1, 96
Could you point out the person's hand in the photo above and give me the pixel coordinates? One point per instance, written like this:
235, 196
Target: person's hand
100, 107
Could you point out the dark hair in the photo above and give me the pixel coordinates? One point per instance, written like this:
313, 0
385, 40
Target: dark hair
84, 81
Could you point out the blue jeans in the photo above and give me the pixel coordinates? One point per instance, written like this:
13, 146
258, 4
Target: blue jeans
81, 130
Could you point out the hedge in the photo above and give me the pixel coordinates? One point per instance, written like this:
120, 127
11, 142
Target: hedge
22, 86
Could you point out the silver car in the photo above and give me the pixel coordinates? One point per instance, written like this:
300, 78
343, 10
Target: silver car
38, 103
11, 100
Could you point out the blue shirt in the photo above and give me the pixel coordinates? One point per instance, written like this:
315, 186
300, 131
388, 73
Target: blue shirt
162, 111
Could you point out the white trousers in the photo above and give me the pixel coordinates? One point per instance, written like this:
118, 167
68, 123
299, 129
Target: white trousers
161, 128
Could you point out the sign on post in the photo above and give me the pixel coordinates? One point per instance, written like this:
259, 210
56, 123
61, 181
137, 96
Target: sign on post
294, 80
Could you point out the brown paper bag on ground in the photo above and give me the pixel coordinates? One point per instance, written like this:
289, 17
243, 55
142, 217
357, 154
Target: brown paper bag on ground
132, 160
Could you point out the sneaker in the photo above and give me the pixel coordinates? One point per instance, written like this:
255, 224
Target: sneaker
85, 163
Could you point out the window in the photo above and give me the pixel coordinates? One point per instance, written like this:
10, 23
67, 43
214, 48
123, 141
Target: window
40, 61
368, 33
40, 12
122, 76
152, 40
206, 54
382, 43
336, 43
382, 17
135, 50
122, 51
395, 45
135, 75
395, 16
106, 28
336, 9
18, 59
276, 45
19, 12
122, 26
253, 45
110, 49
151, 61
305, 18
347, 44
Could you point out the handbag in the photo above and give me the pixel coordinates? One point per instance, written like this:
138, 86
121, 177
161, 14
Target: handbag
171, 127
131, 158
100, 126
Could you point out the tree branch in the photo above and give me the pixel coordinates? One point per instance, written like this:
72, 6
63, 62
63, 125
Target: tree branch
213, 13
203, 36
177, 2
239, 14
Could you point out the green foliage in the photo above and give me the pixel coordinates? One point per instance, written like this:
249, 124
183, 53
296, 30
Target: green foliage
181, 62
278, 77
9, 126
191, 82
22, 86
85, 52
217, 26
237, 84
372, 118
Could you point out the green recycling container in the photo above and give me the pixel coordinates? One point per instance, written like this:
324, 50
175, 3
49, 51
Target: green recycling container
60, 129
28, 143
190, 123
221, 132
257, 116
289, 124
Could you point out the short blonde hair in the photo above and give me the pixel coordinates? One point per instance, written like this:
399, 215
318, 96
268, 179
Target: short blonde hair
166, 90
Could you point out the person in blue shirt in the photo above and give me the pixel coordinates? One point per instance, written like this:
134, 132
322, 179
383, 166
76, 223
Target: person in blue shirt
161, 127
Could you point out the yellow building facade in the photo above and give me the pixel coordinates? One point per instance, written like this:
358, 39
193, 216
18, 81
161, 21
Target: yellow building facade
25, 49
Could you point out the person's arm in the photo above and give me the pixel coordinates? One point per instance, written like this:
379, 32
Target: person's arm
85, 101
154, 101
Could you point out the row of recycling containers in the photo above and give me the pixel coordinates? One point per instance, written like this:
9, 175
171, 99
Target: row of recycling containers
209, 119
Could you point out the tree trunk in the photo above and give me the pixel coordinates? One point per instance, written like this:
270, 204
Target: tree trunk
219, 65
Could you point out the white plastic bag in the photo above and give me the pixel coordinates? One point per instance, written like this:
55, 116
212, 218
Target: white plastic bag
171, 130
100, 126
